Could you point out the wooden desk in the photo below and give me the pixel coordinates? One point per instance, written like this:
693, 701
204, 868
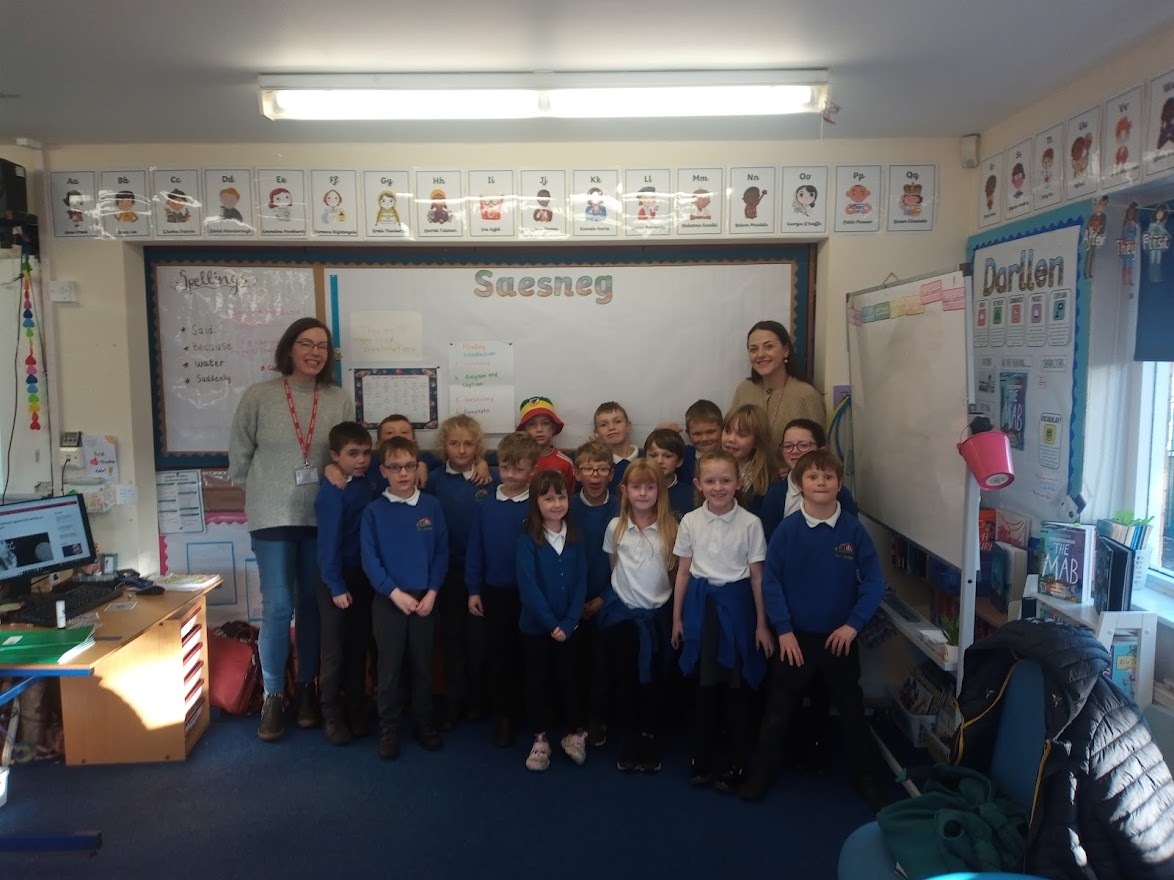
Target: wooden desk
140, 692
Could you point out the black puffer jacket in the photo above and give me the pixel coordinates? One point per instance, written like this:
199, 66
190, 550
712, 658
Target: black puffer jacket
1104, 801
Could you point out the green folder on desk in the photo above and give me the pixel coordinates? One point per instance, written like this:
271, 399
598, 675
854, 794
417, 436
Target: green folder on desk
21, 647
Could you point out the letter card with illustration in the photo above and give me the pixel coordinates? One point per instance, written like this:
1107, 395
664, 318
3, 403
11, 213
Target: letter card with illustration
492, 203
439, 204
647, 199
334, 204
858, 198
595, 204
543, 204
228, 197
1121, 157
387, 204
124, 204
1048, 189
1158, 148
990, 190
699, 201
282, 193
179, 210
913, 198
805, 199
1082, 153
1019, 182
73, 196
753, 201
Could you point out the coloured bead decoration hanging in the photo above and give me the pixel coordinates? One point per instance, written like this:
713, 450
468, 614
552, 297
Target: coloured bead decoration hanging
30, 331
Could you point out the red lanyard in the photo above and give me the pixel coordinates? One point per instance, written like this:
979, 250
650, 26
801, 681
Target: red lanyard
303, 442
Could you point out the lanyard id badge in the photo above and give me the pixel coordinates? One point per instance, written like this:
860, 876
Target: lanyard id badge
306, 475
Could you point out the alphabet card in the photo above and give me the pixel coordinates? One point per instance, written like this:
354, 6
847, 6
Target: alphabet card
283, 202
123, 204
228, 193
990, 192
491, 204
595, 206
73, 196
1018, 189
387, 199
1158, 149
438, 204
542, 204
698, 211
1121, 157
858, 198
647, 200
912, 198
753, 200
1048, 186
335, 203
178, 209
1083, 156
805, 199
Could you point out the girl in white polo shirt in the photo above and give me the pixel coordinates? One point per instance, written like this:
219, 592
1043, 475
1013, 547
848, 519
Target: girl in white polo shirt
635, 616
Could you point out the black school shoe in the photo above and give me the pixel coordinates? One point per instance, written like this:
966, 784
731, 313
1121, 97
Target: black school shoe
309, 711
428, 737
648, 752
337, 732
754, 787
629, 757
388, 743
729, 780
700, 771
597, 733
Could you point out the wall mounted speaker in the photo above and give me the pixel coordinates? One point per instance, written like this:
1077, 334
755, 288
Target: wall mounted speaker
968, 147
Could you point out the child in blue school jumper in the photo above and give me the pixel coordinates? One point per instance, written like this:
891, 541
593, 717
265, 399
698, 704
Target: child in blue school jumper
404, 542
344, 593
552, 582
635, 618
665, 448
718, 618
822, 584
782, 499
614, 428
453, 484
746, 436
592, 507
491, 578
703, 427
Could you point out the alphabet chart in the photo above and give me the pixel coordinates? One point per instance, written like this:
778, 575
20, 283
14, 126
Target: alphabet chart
912, 197
228, 193
543, 204
858, 198
124, 205
699, 201
439, 213
73, 197
754, 197
491, 204
283, 202
805, 199
595, 208
335, 203
647, 200
178, 209
388, 199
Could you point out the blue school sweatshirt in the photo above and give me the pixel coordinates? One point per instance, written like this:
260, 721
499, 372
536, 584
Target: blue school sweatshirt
774, 505
340, 514
404, 546
682, 497
817, 579
553, 586
688, 469
458, 499
592, 523
491, 554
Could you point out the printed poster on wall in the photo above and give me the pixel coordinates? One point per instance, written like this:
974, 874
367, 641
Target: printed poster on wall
1019, 180
648, 199
595, 204
387, 204
228, 195
74, 198
1029, 314
858, 198
1083, 165
990, 190
334, 202
699, 201
491, 204
805, 199
124, 204
1158, 149
438, 204
178, 210
1048, 189
282, 196
912, 198
753, 200
1121, 158
543, 204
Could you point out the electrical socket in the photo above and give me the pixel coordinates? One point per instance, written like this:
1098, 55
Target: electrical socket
71, 457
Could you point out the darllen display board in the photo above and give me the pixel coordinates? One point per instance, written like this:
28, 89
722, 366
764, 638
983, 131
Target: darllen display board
909, 360
654, 328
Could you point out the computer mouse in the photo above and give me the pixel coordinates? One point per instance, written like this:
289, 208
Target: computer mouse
153, 590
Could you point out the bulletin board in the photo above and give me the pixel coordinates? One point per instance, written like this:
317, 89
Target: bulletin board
653, 327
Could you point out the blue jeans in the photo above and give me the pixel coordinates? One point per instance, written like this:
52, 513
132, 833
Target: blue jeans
289, 580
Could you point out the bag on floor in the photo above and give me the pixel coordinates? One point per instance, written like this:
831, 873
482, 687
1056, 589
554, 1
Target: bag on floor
235, 668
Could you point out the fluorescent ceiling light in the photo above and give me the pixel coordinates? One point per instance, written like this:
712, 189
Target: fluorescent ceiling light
527, 96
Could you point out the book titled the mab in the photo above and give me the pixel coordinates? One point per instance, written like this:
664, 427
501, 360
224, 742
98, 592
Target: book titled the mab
1067, 552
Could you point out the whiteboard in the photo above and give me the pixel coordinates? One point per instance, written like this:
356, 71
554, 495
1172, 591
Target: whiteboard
215, 332
655, 338
909, 360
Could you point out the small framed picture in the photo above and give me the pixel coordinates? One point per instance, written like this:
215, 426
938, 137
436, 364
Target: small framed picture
108, 562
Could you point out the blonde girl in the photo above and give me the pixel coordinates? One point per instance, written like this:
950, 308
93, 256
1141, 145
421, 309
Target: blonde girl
635, 619
746, 436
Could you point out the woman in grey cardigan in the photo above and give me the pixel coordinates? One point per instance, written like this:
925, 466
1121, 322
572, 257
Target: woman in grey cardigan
277, 452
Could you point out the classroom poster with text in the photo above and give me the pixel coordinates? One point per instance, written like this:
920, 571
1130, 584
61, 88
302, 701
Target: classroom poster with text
1048, 188
1026, 324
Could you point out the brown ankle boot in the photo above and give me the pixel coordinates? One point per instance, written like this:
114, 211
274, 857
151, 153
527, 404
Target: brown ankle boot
272, 718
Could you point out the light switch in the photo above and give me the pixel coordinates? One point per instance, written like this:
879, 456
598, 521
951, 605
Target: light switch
63, 291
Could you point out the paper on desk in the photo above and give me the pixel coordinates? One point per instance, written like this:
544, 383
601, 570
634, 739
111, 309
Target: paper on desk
124, 605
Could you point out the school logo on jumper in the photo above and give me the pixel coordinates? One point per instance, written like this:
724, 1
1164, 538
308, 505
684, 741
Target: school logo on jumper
424, 524
845, 551
480, 495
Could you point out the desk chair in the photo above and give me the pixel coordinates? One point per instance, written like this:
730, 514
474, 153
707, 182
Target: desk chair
1013, 769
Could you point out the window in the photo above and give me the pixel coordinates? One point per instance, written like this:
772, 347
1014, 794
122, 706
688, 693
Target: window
1156, 473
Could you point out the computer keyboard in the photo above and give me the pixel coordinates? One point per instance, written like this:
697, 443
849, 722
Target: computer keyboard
40, 609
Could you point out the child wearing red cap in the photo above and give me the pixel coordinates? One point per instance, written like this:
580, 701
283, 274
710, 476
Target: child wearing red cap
537, 418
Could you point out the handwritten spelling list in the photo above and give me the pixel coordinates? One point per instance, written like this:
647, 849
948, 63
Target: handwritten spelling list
481, 377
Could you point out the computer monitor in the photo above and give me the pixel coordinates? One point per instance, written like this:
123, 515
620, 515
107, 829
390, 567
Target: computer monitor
40, 537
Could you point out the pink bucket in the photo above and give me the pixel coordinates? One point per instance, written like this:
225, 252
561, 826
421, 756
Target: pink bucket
988, 455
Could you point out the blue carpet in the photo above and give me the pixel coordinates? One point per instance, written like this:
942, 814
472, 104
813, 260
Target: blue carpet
301, 808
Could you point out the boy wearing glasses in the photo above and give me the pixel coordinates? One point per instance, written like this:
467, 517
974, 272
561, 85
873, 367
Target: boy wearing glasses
782, 499
592, 508
404, 544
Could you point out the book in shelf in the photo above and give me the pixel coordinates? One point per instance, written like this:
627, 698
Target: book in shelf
1067, 552
1123, 659
1012, 527
1008, 574
43, 646
1113, 576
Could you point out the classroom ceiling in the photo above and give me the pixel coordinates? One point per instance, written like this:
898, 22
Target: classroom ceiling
159, 71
